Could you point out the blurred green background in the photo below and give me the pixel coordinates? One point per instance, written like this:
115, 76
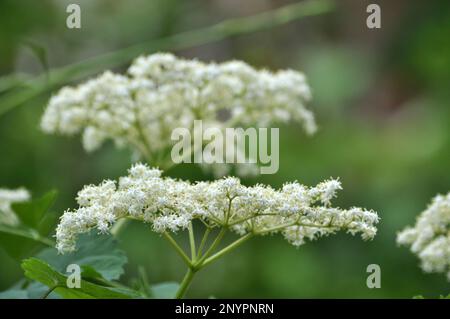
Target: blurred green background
381, 98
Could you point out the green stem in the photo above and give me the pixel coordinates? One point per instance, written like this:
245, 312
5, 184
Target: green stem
185, 283
213, 246
193, 268
241, 220
276, 228
204, 261
144, 280
192, 242
178, 249
49, 291
146, 151
118, 226
203, 242
280, 227
226, 249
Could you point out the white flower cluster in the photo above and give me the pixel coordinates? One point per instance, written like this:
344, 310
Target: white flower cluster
8, 197
162, 92
296, 211
430, 237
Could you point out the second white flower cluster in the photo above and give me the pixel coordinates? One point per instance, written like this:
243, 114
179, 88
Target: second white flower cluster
162, 92
430, 237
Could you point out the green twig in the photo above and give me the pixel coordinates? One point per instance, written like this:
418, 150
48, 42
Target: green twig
49, 291
118, 226
144, 281
178, 249
192, 242
185, 283
203, 242
213, 246
226, 249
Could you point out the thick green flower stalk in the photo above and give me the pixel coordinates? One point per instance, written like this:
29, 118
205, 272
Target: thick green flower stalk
299, 213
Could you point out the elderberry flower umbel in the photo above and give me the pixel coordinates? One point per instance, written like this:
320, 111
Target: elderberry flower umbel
429, 239
7, 198
297, 212
161, 92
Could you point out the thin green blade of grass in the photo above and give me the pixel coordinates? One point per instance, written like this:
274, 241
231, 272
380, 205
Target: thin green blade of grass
225, 29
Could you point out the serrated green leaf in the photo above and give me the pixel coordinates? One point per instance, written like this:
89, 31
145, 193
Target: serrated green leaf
165, 290
100, 252
42, 272
99, 258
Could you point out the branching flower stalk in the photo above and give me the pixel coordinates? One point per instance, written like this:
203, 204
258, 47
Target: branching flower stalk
297, 212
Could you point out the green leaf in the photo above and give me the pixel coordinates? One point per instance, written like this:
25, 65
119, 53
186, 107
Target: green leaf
99, 252
13, 81
42, 272
32, 213
24, 232
98, 256
38, 270
166, 290
36, 222
18, 241
89, 273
